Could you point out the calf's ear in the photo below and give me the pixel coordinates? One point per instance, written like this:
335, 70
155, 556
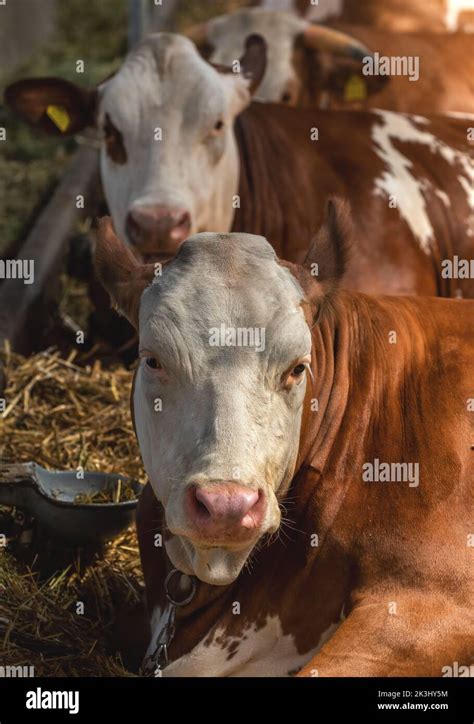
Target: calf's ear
54, 105
119, 272
253, 63
325, 263
328, 252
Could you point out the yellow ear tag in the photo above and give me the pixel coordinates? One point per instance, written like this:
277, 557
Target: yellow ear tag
355, 89
59, 116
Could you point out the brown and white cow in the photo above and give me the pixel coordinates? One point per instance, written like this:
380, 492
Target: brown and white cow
311, 65
400, 16
225, 164
303, 60
313, 480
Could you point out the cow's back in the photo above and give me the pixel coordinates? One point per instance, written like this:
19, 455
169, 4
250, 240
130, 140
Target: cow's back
408, 179
445, 78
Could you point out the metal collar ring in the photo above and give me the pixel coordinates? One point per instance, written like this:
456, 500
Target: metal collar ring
188, 598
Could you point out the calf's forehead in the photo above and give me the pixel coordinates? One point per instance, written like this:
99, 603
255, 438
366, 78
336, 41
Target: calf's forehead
230, 279
164, 72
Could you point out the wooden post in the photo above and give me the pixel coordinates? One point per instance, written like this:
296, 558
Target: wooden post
23, 311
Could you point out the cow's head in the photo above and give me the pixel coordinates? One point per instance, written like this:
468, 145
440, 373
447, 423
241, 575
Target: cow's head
225, 357
169, 157
308, 64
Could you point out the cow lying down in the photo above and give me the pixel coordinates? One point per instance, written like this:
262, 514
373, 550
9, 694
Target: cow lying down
310, 458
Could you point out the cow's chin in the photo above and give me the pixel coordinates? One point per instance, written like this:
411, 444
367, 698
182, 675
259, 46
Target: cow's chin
216, 566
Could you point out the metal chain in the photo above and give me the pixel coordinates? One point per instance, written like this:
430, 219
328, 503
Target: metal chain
155, 663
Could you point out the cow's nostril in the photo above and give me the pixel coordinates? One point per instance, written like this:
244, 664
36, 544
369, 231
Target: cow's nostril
200, 505
181, 226
184, 219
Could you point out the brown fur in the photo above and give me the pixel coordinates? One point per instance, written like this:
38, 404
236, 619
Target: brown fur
446, 67
286, 180
119, 271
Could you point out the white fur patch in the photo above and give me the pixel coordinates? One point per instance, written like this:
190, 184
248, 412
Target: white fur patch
259, 651
453, 8
443, 196
399, 181
461, 115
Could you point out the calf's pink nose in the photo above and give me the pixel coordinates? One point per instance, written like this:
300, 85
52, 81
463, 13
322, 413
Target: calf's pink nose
228, 501
224, 507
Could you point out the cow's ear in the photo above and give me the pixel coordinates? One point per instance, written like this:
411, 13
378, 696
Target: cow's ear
54, 105
328, 253
119, 272
344, 81
323, 269
252, 64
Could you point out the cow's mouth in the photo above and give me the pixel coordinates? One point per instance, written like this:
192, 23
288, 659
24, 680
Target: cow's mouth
214, 565
218, 527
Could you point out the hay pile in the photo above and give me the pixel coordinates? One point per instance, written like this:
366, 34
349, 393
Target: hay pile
61, 416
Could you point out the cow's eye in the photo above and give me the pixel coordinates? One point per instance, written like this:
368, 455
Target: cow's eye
153, 363
219, 125
298, 370
295, 375
114, 142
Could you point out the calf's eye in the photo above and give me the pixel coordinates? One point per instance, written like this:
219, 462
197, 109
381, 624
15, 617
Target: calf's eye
153, 363
219, 125
298, 370
114, 144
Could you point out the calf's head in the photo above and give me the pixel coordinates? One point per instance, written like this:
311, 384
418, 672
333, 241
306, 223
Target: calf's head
169, 159
225, 355
308, 64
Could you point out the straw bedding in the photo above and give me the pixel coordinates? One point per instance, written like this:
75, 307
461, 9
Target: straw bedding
62, 416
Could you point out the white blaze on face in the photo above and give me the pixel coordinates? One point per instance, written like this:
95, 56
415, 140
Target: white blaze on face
166, 90
399, 179
224, 414
227, 35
